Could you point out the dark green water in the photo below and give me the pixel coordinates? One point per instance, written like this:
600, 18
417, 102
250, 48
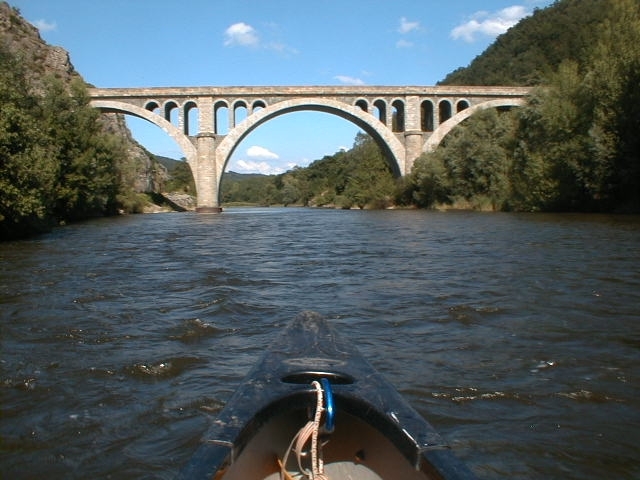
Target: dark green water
516, 336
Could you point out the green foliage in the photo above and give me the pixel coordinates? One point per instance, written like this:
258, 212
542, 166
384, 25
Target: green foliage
429, 183
613, 81
86, 158
473, 164
180, 177
254, 189
579, 136
554, 148
27, 177
56, 163
359, 178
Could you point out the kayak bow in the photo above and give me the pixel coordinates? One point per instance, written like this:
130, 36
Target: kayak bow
312, 382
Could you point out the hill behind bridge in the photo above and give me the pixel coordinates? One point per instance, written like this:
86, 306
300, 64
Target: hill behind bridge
534, 48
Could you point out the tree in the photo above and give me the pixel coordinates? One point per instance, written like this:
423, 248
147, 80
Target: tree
553, 170
56, 162
472, 164
27, 173
88, 180
429, 183
369, 180
613, 79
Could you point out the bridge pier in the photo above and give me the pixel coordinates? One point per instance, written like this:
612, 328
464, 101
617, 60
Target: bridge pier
207, 174
413, 148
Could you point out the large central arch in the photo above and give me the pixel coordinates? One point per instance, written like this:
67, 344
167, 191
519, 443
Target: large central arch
392, 147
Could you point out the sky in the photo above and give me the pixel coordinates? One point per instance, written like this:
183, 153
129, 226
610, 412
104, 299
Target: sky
186, 43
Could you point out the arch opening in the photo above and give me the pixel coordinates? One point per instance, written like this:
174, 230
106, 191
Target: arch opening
221, 118
397, 119
257, 105
147, 128
191, 119
444, 111
270, 147
240, 113
171, 112
362, 105
289, 140
461, 105
426, 116
381, 110
392, 148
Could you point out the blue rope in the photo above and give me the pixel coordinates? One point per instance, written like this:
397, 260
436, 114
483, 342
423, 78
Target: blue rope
329, 423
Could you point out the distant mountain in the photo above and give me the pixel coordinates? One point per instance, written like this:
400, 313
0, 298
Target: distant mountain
536, 46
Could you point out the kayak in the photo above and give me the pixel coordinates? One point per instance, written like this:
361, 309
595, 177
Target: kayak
314, 408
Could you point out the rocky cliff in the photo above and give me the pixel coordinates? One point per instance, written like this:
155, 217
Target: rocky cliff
23, 39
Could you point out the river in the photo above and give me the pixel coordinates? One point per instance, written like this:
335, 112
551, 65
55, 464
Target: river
516, 335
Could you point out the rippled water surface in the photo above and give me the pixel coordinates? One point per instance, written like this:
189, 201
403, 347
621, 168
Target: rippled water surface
516, 336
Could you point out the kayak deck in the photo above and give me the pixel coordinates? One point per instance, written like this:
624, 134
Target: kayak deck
377, 435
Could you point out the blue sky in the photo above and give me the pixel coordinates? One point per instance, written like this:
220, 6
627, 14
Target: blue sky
145, 43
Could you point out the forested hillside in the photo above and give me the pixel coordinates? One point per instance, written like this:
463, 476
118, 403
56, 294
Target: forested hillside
576, 145
534, 48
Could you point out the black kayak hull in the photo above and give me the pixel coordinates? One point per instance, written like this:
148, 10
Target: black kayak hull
280, 384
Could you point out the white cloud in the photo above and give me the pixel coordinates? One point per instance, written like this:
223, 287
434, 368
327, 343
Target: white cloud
260, 152
248, 166
406, 26
489, 24
45, 26
402, 43
241, 34
244, 35
349, 80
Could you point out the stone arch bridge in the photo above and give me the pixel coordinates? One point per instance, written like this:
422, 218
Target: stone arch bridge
208, 123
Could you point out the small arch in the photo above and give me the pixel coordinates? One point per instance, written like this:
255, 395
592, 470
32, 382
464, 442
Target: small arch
462, 105
444, 111
240, 112
152, 106
362, 104
257, 105
190, 118
381, 107
426, 116
397, 116
221, 117
171, 112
